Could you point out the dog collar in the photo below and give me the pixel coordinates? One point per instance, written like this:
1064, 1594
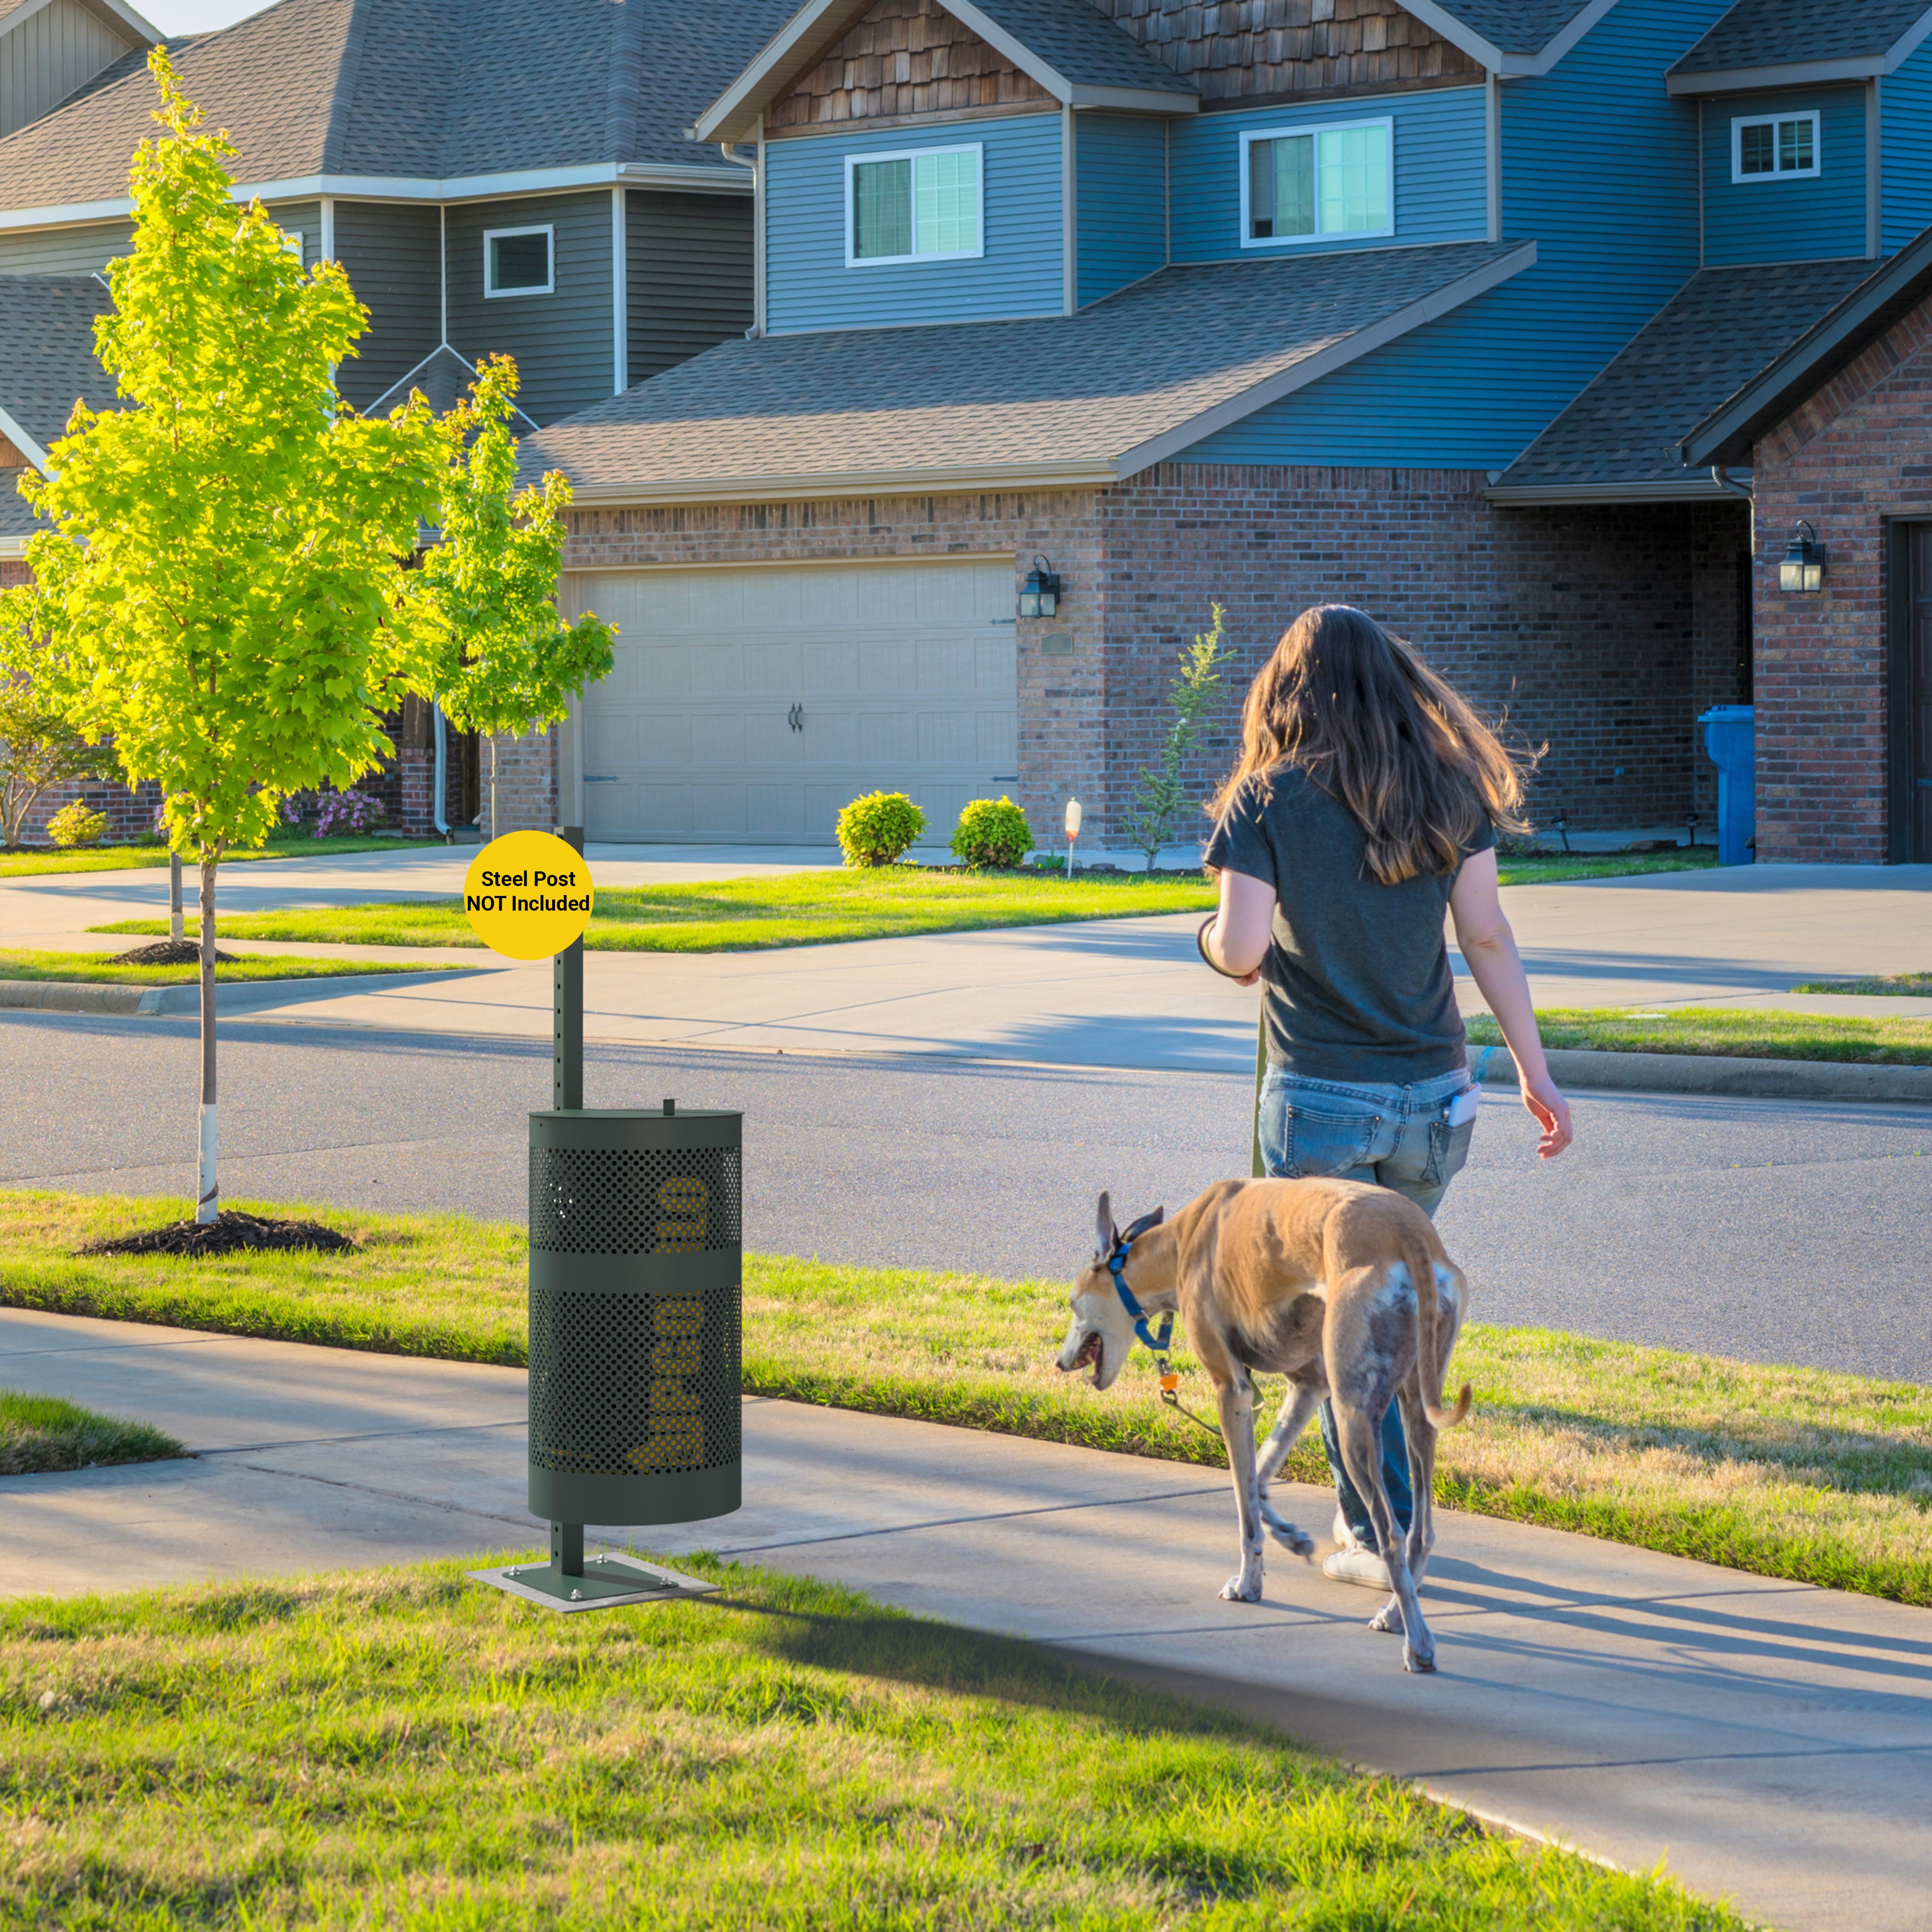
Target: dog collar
1116, 1267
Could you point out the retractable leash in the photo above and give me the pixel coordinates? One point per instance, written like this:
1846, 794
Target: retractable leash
1161, 1344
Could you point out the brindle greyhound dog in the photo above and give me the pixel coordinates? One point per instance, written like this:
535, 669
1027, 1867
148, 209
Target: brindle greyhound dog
1344, 1288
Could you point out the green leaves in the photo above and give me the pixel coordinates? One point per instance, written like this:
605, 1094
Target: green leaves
1160, 795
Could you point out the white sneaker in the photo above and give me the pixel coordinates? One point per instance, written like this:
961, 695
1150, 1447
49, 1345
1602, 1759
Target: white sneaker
1352, 1563
1344, 1537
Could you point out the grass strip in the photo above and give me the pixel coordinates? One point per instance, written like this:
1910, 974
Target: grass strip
811, 908
39, 1433
31, 864
1742, 1034
1796, 1473
97, 969
404, 1748
1892, 985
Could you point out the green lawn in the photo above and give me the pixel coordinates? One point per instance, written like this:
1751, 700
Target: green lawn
811, 908
1743, 1034
1789, 1472
126, 858
1896, 985
96, 968
41, 1433
404, 1748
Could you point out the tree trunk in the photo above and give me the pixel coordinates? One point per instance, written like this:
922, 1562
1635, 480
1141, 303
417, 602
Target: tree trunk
208, 1207
493, 786
174, 895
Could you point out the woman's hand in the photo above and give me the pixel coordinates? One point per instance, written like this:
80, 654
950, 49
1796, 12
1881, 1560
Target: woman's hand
1552, 1112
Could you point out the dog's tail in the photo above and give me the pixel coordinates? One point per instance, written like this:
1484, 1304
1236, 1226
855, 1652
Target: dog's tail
1428, 1320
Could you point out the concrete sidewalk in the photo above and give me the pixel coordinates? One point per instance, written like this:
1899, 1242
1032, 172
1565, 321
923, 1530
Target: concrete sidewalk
1770, 1741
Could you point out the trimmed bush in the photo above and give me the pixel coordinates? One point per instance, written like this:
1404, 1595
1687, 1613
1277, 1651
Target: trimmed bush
992, 831
879, 829
344, 813
74, 825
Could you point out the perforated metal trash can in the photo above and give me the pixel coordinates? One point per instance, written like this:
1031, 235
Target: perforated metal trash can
637, 1316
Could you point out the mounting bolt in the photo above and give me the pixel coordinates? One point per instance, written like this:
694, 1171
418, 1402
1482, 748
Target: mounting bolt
577, 1596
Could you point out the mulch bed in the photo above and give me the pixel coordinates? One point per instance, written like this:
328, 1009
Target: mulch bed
170, 953
229, 1234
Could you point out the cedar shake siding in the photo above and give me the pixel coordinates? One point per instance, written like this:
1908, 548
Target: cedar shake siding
906, 57
688, 273
1267, 49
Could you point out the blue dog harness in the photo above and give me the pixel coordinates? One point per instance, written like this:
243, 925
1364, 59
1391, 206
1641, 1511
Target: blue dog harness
1116, 1267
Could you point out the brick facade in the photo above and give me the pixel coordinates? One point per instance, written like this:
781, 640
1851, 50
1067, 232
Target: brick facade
1599, 632
1851, 458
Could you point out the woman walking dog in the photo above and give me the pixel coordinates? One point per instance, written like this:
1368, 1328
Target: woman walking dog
1366, 802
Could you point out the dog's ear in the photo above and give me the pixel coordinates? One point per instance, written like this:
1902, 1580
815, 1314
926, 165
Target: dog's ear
1105, 1231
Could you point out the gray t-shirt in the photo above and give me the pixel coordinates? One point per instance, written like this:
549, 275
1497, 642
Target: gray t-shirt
1356, 985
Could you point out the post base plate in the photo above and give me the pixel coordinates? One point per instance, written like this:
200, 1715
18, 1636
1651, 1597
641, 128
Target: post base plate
609, 1582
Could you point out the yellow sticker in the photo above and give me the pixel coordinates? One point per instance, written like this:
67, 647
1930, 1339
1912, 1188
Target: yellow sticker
528, 896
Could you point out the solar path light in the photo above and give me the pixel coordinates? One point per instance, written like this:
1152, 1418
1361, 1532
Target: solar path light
635, 1285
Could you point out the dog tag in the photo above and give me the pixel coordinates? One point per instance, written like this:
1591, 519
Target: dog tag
1462, 1110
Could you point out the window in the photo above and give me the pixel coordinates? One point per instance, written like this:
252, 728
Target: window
921, 207
1775, 147
518, 261
1308, 184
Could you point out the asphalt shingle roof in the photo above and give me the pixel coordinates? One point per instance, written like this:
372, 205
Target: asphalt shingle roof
1082, 388
1780, 33
427, 89
17, 519
1719, 330
1516, 26
46, 351
1083, 45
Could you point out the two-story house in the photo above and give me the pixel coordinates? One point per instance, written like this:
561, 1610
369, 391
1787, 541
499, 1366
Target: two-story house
502, 176
1408, 306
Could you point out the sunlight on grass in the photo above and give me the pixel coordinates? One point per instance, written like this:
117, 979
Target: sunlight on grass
97, 968
404, 1748
26, 865
1739, 1033
40, 1433
1789, 1472
1895, 985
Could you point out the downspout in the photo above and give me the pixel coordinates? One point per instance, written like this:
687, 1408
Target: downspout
442, 772
1721, 475
729, 150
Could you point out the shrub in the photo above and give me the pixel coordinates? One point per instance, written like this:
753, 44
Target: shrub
992, 831
879, 829
345, 813
74, 825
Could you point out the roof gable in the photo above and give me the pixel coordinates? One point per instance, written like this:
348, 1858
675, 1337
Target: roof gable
1768, 43
46, 357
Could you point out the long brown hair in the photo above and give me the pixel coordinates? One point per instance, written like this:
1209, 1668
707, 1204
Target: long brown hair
1359, 712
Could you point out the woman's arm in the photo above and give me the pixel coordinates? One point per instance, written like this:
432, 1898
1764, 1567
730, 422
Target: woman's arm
1238, 941
1488, 946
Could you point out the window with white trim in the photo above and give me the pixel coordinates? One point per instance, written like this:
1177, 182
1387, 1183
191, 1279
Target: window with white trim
520, 261
1317, 184
923, 205
1775, 147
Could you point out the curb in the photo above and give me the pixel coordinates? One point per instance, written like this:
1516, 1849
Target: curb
87, 996
1714, 1074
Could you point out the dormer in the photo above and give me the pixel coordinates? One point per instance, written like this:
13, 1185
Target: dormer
51, 49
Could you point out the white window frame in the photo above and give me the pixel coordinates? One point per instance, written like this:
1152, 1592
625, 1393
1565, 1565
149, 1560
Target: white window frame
546, 229
1386, 122
1773, 122
854, 162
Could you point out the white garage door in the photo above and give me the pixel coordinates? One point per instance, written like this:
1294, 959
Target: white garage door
752, 704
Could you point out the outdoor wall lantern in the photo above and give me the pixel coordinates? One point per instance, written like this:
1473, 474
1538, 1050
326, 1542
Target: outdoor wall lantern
1039, 596
1804, 566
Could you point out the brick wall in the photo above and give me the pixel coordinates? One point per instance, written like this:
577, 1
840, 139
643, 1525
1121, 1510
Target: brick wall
1852, 456
526, 767
1583, 625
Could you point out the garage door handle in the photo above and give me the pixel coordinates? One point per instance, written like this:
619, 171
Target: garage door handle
795, 718
600, 778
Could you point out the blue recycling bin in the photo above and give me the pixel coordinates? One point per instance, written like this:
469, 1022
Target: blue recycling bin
1730, 737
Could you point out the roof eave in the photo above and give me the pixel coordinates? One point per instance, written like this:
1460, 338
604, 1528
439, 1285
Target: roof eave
1764, 79
1134, 100
1507, 61
1338, 355
808, 485
1731, 431
23, 442
1700, 488
115, 11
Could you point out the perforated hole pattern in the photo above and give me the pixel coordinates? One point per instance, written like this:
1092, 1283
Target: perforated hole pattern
634, 1385
618, 1201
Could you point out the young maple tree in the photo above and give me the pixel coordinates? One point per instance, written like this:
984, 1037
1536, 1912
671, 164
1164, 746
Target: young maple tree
1161, 793
228, 592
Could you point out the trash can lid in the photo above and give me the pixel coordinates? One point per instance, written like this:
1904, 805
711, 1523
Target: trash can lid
1729, 714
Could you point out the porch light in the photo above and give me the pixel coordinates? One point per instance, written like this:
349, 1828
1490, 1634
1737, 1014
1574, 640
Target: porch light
1803, 569
1039, 596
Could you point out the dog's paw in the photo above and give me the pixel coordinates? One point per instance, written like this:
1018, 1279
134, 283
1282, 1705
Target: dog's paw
1422, 1662
1242, 1589
1388, 1617
1285, 1534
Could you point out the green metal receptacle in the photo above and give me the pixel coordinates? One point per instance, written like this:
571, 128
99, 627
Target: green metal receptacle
636, 1316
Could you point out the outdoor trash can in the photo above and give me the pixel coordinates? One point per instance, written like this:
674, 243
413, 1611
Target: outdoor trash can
636, 1315
1730, 737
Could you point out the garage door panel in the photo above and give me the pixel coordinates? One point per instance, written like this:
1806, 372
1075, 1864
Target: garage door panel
902, 677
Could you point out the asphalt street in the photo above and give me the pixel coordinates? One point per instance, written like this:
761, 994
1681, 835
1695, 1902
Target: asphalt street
1772, 1231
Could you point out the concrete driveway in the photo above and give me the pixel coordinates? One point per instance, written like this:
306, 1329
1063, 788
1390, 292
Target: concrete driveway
1764, 1740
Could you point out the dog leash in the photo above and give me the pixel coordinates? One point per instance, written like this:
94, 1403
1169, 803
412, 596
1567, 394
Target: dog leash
1162, 1343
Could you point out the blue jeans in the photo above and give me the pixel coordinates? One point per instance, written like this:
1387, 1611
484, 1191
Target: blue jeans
1389, 1136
